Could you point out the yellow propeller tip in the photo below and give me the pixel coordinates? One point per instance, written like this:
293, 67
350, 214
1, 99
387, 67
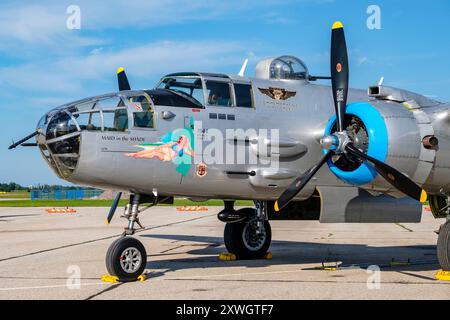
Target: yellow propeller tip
107, 222
338, 25
423, 196
277, 209
121, 69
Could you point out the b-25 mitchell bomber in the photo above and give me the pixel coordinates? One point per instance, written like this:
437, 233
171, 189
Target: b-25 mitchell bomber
293, 147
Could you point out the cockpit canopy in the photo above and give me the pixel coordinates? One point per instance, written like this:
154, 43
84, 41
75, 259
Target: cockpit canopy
282, 68
200, 90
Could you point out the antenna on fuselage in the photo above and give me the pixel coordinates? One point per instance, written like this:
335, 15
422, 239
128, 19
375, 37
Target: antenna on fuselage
243, 68
381, 81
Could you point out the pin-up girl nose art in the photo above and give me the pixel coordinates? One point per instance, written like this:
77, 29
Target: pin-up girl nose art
175, 146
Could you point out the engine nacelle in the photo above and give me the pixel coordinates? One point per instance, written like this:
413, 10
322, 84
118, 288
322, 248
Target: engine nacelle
387, 131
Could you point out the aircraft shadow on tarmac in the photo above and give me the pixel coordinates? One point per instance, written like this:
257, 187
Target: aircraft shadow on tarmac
422, 257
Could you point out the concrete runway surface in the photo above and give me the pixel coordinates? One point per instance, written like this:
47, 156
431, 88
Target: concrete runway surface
41, 253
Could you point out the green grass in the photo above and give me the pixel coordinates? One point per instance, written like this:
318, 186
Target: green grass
15, 195
105, 203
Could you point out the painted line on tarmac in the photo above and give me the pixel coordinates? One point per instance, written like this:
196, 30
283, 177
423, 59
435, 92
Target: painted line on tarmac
100, 239
231, 275
53, 286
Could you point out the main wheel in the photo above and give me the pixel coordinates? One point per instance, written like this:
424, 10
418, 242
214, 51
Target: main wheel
242, 239
443, 246
126, 258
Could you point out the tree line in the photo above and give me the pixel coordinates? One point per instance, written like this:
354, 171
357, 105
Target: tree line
12, 186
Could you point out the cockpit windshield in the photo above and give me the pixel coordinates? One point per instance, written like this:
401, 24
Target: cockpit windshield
188, 87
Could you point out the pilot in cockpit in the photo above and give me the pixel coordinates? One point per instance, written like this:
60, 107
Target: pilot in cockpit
213, 98
219, 94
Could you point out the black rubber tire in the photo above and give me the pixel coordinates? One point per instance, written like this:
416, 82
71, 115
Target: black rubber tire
443, 246
113, 256
234, 242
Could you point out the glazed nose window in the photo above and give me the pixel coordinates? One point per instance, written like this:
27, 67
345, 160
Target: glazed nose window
62, 145
60, 125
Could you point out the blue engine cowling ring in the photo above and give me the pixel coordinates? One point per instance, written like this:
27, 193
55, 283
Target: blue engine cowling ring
378, 143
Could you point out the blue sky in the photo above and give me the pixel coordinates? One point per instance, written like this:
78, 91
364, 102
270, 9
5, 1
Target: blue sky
43, 64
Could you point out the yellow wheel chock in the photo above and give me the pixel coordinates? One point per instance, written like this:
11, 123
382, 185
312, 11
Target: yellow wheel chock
109, 278
226, 256
443, 275
115, 279
268, 256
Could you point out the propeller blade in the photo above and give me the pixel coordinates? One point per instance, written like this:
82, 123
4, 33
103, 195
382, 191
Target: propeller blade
393, 176
113, 208
297, 185
123, 80
14, 145
339, 73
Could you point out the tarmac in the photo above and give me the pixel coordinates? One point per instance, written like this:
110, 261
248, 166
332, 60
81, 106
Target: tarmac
62, 256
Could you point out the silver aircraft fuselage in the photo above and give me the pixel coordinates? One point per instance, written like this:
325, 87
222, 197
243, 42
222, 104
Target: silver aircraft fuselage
101, 159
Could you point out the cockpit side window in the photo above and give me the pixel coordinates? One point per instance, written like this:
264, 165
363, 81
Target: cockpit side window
218, 93
244, 96
143, 116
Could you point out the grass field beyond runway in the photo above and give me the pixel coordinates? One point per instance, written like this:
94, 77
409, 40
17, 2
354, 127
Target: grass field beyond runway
105, 203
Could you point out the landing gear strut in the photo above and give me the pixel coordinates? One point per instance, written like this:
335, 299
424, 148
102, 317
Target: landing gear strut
126, 257
131, 214
250, 237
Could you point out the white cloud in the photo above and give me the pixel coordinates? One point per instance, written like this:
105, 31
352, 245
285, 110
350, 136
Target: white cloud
147, 61
43, 23
38, 27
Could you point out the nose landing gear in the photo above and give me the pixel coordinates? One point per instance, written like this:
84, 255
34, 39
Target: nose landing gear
126, 257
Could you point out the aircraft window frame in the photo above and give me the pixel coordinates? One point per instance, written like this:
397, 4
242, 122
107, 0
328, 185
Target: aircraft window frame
99, 102
252, 107
114, 112
131, 115
219, 80
85, 106
97, 108
192, 98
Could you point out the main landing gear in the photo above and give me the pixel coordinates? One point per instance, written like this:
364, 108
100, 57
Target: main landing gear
247, 232
440, 208
126, 258
443, 246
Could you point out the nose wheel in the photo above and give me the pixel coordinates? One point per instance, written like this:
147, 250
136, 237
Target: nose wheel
126, 259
